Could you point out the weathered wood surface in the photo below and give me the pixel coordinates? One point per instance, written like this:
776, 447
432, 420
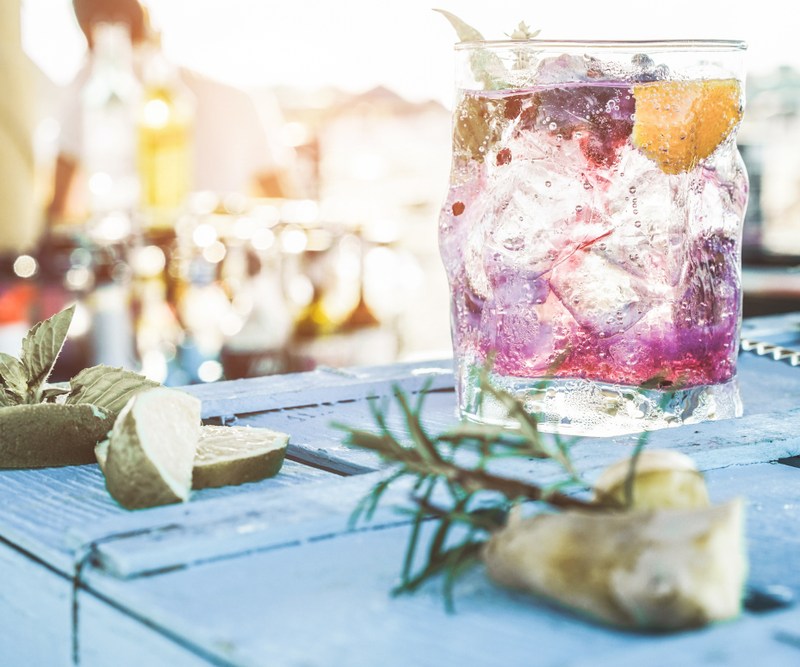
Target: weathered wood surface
323, 599
109, 636
768, 389
771, 642
35, 612
321, 386
47, 511
271, 574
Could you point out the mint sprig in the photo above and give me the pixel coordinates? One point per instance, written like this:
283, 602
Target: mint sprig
106, 387
23, 381
487, 67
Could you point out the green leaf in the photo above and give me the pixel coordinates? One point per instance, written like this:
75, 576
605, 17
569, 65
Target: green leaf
465, 32
40, 349
7, 399
486, 66
51, 393
107, 387
13, 378
523, 31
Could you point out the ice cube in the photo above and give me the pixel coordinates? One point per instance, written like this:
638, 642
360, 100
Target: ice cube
645, 210
521, 333
644, 69
601, 296
563, 68
718, 197
527, 224
598, 115
710, 283
460, 227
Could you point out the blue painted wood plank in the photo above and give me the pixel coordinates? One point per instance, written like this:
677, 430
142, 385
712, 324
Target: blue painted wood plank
191, 533
35, 612
757, 642
58, 513
771, 325
323, 385
38, 506
772, 514
39, 509
752, 439
109, 636
327, 603
315, 441
767, 387
255, 522
307, 513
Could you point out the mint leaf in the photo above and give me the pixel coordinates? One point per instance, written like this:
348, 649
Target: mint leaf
487, 68
465, 32
40, 349
49, 394
7, 399
13, 380
107, 387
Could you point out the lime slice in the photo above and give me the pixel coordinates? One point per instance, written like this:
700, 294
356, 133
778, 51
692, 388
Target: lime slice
150, 452
49, 434
229, 455
664, 479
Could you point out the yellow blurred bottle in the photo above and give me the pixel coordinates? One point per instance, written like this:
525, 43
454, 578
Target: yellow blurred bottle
165, 138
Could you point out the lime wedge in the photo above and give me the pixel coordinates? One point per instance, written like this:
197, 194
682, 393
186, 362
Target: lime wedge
48, 434
229, 455
149, 455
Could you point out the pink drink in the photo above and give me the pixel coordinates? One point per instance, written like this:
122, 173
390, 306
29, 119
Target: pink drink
602, 260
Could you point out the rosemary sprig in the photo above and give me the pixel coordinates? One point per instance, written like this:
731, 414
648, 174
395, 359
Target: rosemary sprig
452, 482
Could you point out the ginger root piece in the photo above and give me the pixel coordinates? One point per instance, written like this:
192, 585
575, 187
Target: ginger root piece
668, 569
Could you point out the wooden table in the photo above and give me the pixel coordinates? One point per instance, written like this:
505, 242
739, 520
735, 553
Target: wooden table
270, 574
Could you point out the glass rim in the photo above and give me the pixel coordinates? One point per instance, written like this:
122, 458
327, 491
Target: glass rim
609, 44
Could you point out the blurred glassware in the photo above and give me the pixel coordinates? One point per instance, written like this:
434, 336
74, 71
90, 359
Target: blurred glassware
165, 137
109, 104
109, 302
158, 332
768, 141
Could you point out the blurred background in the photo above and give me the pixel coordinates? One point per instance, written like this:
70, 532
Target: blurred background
313, 139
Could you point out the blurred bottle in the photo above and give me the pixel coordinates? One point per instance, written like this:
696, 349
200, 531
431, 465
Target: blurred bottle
165, 137
260, 346
111, 332
158, 331
109, 104
324, 311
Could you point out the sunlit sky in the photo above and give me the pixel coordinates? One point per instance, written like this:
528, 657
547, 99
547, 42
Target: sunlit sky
358, 44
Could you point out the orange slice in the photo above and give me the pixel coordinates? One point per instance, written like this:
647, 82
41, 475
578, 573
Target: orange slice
680, 123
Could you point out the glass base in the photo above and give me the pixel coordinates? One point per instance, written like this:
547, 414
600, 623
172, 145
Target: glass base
587, 408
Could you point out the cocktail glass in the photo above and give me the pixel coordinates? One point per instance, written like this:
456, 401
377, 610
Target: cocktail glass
592, 231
